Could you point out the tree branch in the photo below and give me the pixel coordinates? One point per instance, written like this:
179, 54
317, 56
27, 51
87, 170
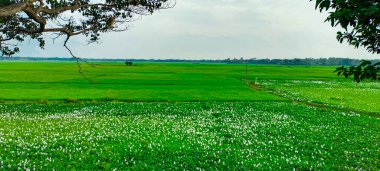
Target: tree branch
77, 60
12, 9
91, 18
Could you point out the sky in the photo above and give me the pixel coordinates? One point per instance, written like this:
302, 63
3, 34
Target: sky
216, 29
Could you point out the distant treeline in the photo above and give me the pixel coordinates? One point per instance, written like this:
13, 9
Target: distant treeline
296, 61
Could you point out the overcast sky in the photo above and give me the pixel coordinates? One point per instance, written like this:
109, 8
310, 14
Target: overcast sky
217, 29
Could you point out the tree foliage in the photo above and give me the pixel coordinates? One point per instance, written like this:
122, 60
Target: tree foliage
360, 20
366, 70
22, 19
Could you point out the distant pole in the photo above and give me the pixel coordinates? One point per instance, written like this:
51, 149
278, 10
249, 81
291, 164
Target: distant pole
246, 69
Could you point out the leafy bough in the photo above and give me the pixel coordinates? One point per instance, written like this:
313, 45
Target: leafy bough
365, 70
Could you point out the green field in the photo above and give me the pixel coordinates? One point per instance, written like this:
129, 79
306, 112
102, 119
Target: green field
182, 116
183, 82
115, 81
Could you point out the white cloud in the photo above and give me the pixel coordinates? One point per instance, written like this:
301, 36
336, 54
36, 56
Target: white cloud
219, 29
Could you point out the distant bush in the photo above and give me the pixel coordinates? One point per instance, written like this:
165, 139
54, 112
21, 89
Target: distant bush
128, 63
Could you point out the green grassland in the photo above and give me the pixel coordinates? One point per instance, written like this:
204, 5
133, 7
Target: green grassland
115, 81
184, 82
344, 95
144, 81
182, 116
186, 136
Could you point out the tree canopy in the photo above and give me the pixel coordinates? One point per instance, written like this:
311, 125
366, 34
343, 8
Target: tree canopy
22, 19
360, 20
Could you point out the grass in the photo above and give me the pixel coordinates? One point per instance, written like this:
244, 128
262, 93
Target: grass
190, 136
142, 82
343, 95
175, 116
182, 82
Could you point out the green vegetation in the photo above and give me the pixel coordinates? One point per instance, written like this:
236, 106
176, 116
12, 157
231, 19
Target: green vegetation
183, 82
185, 116
113, 81
342, 95
144, 81
365, 71
191, 136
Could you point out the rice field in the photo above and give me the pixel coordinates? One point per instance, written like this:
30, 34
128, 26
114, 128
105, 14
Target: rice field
181, 116
343, 95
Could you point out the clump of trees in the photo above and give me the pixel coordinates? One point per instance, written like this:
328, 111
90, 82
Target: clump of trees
360, 21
